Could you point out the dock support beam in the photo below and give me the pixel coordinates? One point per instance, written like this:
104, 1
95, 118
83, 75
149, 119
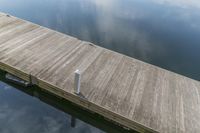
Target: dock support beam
73, 121
77, 81
17, 80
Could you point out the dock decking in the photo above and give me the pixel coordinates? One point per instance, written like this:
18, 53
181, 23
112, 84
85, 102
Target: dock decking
130, 92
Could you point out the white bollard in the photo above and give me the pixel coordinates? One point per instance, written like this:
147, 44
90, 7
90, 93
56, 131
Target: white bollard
77, 81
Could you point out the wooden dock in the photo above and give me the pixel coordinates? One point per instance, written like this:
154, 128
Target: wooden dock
127, 91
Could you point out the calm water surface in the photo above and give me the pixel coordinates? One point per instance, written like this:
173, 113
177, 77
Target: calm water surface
22, 113
165, 33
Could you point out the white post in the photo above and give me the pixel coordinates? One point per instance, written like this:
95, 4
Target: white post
77, 80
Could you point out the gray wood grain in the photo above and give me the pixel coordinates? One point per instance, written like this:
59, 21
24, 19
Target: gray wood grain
128, 91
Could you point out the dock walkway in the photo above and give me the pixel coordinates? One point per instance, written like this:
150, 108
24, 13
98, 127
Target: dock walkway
130, 92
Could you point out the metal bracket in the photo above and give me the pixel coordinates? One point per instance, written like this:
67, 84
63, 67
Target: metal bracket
33, 80
17, 80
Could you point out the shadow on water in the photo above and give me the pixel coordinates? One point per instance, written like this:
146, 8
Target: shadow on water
71, 109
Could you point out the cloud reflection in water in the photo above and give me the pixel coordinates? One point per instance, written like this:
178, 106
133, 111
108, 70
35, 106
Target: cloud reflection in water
164, 33
20, 113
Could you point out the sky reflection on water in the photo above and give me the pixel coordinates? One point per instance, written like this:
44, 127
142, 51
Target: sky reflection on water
21, 113
161, 32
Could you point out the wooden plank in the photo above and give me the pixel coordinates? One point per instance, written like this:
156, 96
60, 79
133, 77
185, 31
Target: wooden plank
6, 21
18, 54
8, 26
15, 32
1, 13
11, 45
127, 91
46, 62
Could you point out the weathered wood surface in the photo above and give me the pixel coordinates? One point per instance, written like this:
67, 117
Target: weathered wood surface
130, 92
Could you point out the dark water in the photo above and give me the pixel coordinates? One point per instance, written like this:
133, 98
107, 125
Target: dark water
165, 33
32, 110
22, 113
